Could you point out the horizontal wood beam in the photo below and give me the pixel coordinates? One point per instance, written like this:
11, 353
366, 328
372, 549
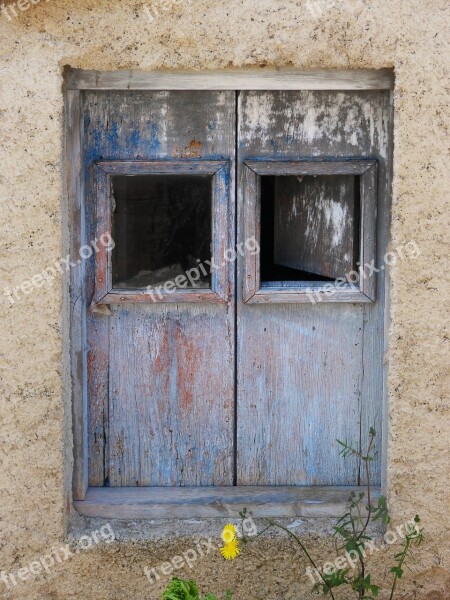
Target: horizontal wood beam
232, 79
208, 502
310, 167
311, 295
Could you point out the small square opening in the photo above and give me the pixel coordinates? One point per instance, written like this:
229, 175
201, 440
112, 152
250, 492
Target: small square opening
162, 227
309, 227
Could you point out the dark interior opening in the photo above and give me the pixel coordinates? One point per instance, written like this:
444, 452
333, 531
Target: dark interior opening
162, 227
309, 227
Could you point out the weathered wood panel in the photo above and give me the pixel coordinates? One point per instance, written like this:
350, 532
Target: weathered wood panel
161, 377
233, 79
315, 224
171, 405
362, 228
299, 384
309, 373
75, 202
321, 165
228, 502
368, 236
308, 294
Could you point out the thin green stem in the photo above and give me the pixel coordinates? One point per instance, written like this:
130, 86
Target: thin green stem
369, 511
400, 564
245, 539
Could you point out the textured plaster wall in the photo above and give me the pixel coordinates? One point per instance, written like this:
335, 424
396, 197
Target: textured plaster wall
35, 503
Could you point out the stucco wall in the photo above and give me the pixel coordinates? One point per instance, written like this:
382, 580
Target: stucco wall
35, 505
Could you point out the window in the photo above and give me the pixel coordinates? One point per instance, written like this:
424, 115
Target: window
161, 225
231, 333
317, 223
166, 219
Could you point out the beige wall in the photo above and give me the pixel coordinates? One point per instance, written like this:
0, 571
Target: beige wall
35, 501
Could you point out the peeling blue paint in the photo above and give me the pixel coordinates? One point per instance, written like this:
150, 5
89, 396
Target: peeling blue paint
95, 146
155, 144
135, 138
112, 136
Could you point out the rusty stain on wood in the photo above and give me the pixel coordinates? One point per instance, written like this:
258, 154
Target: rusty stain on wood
194, 150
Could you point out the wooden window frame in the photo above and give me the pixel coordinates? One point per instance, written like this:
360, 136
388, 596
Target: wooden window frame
105, 293
296, 292
129, 503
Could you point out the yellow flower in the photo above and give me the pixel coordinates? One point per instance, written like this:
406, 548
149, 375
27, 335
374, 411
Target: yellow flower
229, 533
231, 550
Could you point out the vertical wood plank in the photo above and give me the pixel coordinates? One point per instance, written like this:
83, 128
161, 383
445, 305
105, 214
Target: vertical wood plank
373, 400
369, 187
299, 392
250, 190
171, 415
75, 192
103, 275
315, 370
97, 325
165, 398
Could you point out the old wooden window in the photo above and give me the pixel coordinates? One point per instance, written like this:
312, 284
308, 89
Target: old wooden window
199, 394
316, 223
166, 218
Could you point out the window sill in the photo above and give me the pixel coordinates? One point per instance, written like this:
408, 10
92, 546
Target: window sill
210, 502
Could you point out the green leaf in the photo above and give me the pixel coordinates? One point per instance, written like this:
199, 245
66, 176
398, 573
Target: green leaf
397, 571
347, 449
336, 579
381, 512
182, 590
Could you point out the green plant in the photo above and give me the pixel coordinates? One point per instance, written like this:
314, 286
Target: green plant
178, 589
352, 537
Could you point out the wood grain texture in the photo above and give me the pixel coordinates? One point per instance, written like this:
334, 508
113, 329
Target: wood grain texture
320, 166
314, 224
171, 408
384, 223
140, 296
228, 502
97, 325
368, 236
75, 193
284, 358
103, 225
251, 207
233, 79
161, 376
308, 374
162, 167
308, 295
